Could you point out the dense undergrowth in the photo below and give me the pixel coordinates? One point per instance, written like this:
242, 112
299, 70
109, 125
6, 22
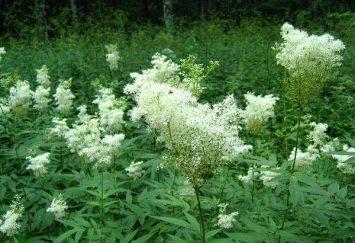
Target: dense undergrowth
152, 201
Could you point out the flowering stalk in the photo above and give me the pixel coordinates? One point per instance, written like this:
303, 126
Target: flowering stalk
202, 225
292, 170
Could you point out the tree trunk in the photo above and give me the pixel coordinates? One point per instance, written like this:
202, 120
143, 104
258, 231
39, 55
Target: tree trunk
168, 13
40, 14
74, 13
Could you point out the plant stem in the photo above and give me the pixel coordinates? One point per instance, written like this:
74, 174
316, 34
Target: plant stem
102, 203
292, 170
202, 225
224, 184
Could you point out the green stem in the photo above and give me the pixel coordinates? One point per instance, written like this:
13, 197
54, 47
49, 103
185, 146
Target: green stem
102, 203
202, 225
291, 172
224, 184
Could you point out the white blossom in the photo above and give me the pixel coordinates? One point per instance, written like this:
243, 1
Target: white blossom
38, 164
258, 110
9, 224
58, 207
64, 97
306, 55
43, 77
60, 128
41, 97
304, 159
226, 220
112, 57
318, 136
342, 163
20, 97
198, 135
135, 170
4, 107
85, 137
269, 177
2, 52
111, 116
251, 175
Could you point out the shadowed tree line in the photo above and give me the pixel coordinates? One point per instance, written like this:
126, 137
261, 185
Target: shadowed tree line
49, 16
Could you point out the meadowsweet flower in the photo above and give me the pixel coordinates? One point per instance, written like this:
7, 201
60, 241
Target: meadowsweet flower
43, 77
58, 207
4, 107
268, 177
163, 71
186, 189
64, 97
198, 137
38, 164
342, 164
112, 56
20, 97
111, 117
41, 97
258, 110
309, 60
226, 220
9, 224
304, 159
304, 55
251, 175
60, 128
135, 170
330, 146
85, 138
318, 136
2, 52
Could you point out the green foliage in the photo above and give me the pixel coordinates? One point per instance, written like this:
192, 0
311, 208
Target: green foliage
159, 206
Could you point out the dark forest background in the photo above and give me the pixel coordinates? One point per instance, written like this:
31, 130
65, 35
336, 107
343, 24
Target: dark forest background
52, 17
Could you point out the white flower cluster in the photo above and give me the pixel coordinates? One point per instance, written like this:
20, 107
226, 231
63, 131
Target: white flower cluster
342, 164
269, 176
135, 170
304, 159
43, 76
58, 207
318, 140
9, 224
249, 177
321, 143
318, 135
306, 55
199, 137
2, 52
64, 97
258, 110
42, 93
4, 107
112, 57
111, 117
186, 189
20, 97
226, 220
87, 138
40, 97
60, 128
163, 71
38, 163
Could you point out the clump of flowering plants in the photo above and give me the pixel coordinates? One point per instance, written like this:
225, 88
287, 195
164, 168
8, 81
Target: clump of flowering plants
97, 153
